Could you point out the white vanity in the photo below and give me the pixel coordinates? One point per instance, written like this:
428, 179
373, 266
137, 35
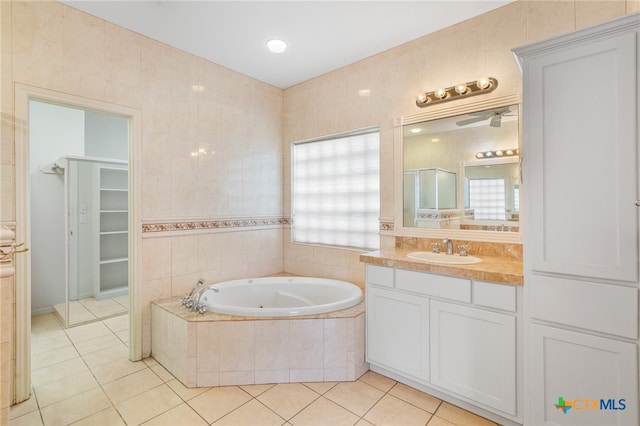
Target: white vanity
447, 330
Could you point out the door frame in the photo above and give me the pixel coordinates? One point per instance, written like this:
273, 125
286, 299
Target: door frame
22, 327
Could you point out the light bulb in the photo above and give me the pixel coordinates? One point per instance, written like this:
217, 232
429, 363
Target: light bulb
483, 83
440, 93
461, 89
479, 155
488, 154
499, 153
422, 98
510, 152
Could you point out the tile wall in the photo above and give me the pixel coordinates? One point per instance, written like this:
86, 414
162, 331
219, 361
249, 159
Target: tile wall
50, 45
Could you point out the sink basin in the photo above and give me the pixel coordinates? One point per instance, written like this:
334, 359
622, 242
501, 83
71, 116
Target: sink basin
449, 259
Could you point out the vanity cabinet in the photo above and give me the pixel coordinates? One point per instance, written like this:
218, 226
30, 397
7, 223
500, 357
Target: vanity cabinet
580, 169
453, 337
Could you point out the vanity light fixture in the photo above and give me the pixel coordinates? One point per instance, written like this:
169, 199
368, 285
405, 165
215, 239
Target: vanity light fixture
471, 88
498, 153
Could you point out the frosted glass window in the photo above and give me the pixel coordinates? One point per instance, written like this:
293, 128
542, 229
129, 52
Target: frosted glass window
487, 198
336, 190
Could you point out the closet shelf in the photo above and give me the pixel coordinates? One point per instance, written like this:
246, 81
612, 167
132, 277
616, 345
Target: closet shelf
113, 232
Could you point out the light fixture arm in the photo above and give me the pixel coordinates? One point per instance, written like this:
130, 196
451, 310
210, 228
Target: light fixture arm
463, 90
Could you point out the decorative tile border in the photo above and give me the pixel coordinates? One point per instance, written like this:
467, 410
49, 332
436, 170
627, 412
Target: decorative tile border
386, 223
214, 224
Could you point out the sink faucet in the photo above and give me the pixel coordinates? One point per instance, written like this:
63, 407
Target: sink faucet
449, 243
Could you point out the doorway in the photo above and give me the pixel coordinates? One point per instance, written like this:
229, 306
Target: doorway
26, 99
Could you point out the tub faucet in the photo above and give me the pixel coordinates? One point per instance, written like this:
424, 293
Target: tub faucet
449, 244
198, 307
188, 300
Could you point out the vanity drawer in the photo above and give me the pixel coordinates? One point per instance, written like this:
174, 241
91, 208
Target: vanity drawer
380, 275
606, 308
493, 295
434, 285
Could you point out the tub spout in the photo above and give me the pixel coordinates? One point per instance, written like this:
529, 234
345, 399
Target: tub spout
196, 306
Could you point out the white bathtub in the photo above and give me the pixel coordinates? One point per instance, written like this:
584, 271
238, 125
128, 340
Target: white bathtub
281, 296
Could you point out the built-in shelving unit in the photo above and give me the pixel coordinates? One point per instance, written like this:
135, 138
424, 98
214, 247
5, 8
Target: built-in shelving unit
112, 274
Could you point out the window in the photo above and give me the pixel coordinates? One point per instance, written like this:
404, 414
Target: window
487, 198
336, 190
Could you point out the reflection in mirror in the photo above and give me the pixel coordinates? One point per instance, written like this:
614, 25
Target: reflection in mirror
79, 212
462, 172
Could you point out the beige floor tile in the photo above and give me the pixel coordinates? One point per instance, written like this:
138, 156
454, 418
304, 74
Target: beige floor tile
324, 412
437, 421
37, 319
377, 380
47, 333
162, 373
39, 346
123, 336
75, 408
218, 402
30, 419
119, 323
150, 361
363, 422
182, 415
391, 411
461, 417
57, 371
106, 355
321, 387
65, 388
357, 397
253, 413
148, 405
184, 392
129, 386
116, 369
255, 390
108, 417
87, 332
288, 399
45, 359
23, 408
413, 396
102, 342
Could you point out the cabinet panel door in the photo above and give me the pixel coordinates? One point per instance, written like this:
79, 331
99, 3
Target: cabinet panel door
580, 368
473, 354
398, 332
581, 159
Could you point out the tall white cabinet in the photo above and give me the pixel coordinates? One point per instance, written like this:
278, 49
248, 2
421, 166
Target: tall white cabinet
580, 166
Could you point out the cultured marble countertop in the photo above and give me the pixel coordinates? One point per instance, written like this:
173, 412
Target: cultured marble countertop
494, 269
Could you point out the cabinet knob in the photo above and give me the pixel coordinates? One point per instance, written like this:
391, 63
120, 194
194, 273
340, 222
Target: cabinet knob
638, 203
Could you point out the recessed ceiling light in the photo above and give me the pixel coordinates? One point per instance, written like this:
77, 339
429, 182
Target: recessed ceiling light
276, 46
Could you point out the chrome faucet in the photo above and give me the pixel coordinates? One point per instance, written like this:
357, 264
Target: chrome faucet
188, 300
198, 307
449, 244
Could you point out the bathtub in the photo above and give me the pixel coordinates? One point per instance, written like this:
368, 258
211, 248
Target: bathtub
287, 340
280, 296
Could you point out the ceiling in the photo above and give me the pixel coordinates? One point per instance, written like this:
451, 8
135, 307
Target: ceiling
321, 35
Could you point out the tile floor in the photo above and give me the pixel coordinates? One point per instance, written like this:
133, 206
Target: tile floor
81, 376
90, 309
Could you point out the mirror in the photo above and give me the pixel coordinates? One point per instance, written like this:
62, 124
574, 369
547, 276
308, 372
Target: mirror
461, 172
79, 212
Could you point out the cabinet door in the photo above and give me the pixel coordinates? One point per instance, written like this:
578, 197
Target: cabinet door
473, 354
398, 332
580, 156
593, 378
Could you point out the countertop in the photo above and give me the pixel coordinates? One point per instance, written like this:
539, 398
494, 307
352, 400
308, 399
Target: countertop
493, 269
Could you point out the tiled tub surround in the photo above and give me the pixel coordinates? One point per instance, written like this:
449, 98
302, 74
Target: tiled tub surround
501, 263
218, 350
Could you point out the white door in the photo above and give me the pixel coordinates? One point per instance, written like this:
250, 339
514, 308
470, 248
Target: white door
398, 332
579, 379
473, 354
